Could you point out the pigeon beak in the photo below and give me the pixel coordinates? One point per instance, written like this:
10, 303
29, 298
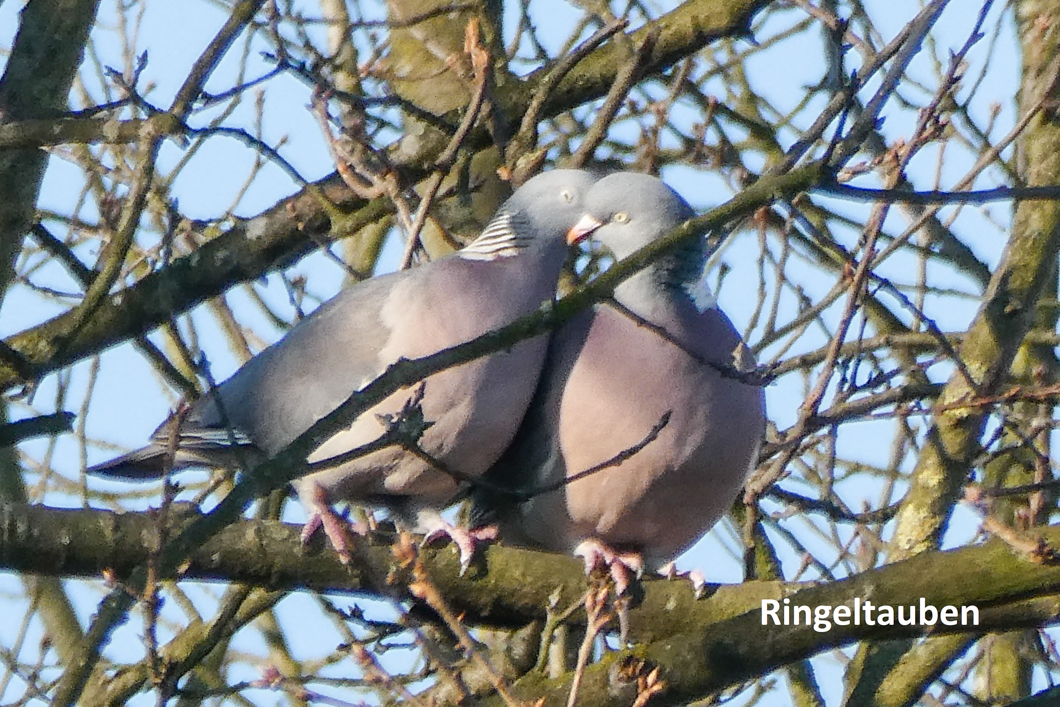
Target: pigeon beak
583, 228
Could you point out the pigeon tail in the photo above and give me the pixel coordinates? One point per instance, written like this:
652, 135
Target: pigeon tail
142, 464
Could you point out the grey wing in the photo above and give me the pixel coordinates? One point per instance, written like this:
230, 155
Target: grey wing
301, 378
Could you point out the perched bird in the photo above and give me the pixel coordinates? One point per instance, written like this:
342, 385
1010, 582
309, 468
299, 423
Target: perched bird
474, 409
658, 352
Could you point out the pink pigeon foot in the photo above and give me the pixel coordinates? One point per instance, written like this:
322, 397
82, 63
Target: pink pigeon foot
699, 583
594, 554
696, 577
322, 515
466, 541
623, 567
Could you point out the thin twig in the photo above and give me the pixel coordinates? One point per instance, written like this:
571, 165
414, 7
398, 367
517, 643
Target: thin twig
150, 143
624, 81
832, 510
867, 120
525, 138
941, 196
841, 101
758, 377
553, 620
411, 445
422, 588
613, 461
480, 62
597, 619
360, 185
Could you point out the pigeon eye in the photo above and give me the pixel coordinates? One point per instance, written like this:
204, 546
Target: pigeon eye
567, 195
620, 217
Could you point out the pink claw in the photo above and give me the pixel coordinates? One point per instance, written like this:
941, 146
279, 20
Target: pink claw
699, 583
322, 515
696, 577
594, 553
466, 541
622, 566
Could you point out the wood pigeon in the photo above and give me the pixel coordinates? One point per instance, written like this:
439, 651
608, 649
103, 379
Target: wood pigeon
474, 409
659, 351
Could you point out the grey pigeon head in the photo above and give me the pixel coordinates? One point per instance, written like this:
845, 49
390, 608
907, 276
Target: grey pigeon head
632, 209
535, 219
552, 201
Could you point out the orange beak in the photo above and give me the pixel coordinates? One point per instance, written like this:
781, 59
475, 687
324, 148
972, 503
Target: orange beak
583, 228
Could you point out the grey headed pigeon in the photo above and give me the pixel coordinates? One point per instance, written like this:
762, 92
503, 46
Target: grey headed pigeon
475, 408
660, 351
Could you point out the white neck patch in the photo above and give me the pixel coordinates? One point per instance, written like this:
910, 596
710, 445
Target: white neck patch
698, 289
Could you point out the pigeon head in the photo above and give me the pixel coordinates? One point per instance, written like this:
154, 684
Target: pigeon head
551, 201
625, 211
535, 218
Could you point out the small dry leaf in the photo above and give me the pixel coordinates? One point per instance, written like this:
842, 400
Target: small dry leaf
473, 46
404, 550
471, 36
418, 589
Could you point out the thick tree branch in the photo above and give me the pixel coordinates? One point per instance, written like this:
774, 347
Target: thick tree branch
701, 645
988, 349
36, 82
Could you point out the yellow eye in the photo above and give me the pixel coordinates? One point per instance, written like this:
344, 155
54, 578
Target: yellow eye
567, 195
620, 217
